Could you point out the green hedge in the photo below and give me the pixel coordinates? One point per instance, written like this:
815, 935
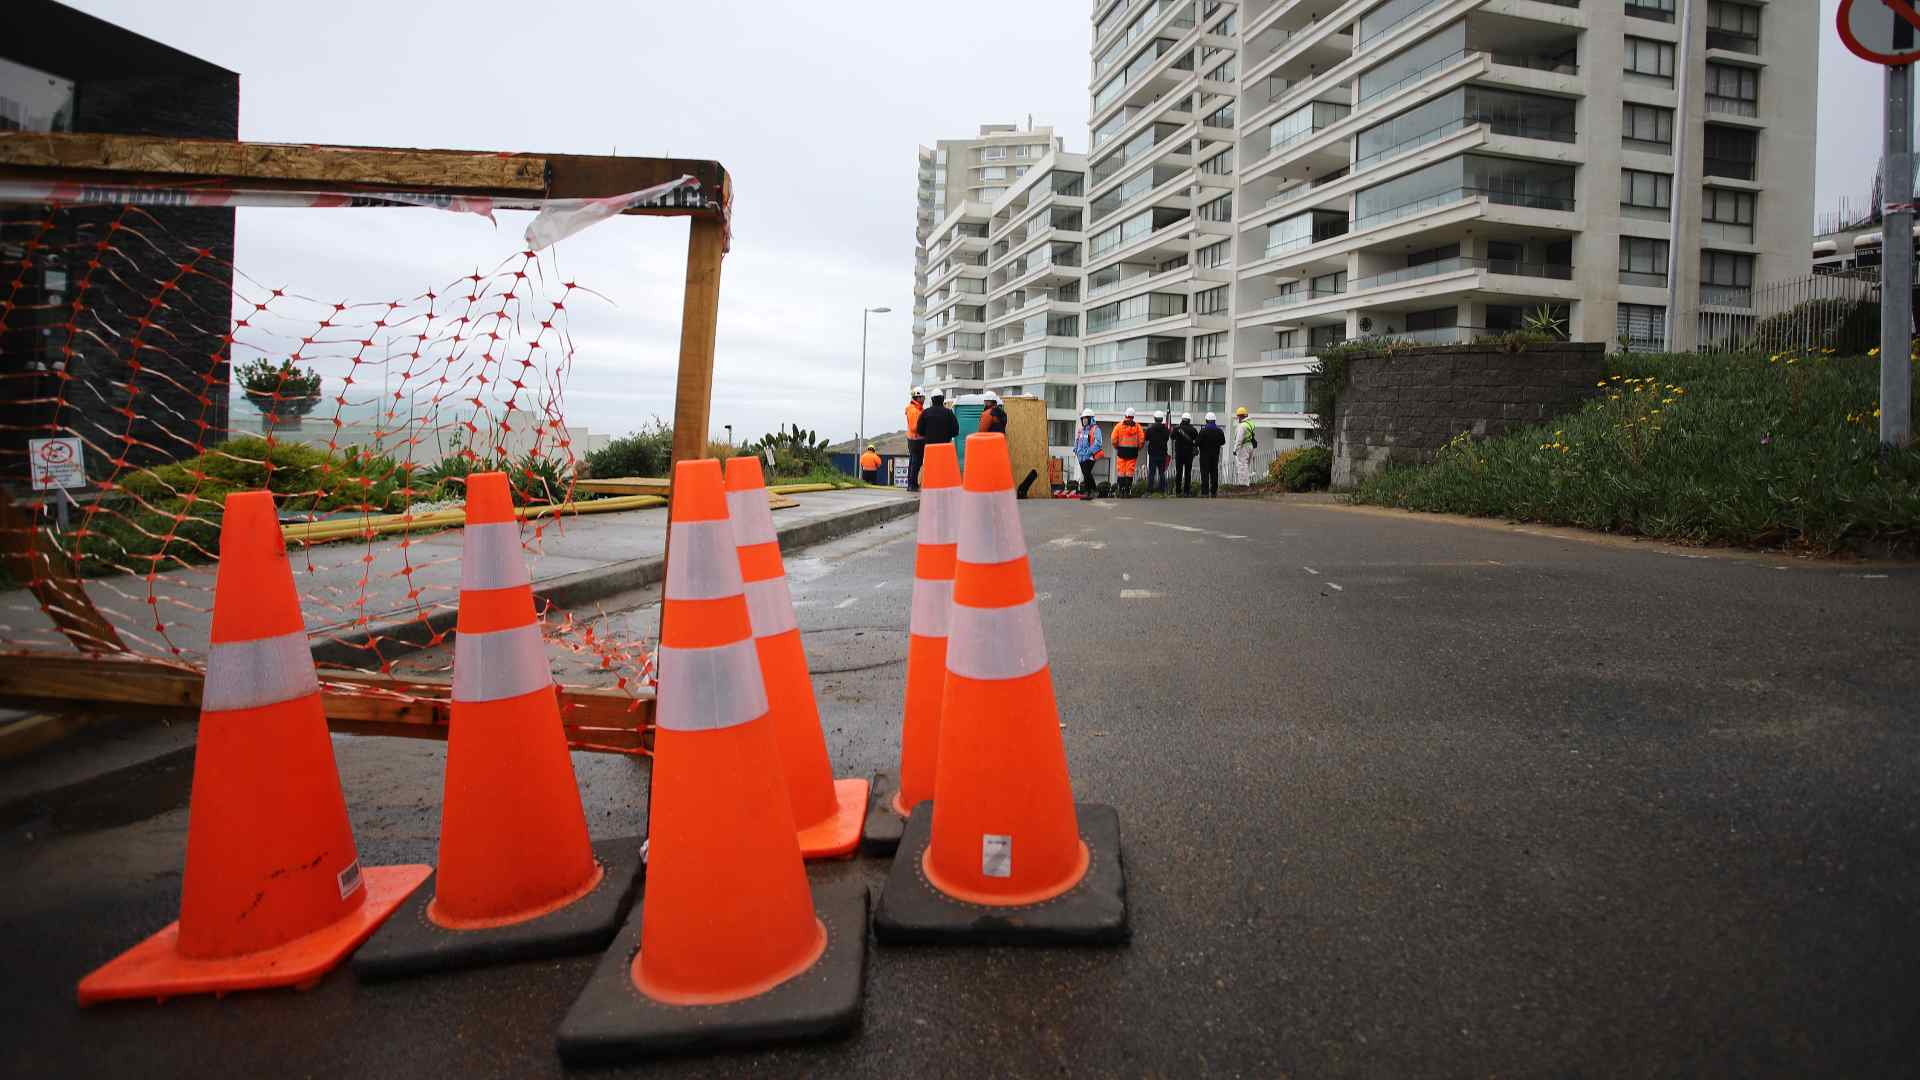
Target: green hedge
1769, 450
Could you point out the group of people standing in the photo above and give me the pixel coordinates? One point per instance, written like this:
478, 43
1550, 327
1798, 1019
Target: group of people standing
935, 423
1185, 441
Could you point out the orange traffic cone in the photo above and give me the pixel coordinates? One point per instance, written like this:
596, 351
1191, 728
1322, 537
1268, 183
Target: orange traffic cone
274, 893
1002, 831
518, 878
728, 947
828, 812
926, 651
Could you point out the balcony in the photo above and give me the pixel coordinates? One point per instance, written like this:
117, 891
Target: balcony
1733, 41
1283, 405
1726, 295
1731, 168
1303, 123
1511, 267
1453, 195
1299, 296
1288, 352
1727, 106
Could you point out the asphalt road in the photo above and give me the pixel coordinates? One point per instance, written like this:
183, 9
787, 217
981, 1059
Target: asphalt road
1400, 798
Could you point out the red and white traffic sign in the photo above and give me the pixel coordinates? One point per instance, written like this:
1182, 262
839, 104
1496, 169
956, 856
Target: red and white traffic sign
56, 463
1881, 31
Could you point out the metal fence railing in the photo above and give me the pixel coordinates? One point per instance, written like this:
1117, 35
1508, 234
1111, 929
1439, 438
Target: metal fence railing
1839, 311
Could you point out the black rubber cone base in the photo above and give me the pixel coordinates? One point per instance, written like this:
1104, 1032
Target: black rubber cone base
412, 944
1094, 912
884, 827
613, 1021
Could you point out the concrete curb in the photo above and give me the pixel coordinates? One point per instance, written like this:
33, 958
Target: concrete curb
586, 586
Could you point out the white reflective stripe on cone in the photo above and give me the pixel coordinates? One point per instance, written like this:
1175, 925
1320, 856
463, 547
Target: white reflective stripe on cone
939, 515
995, 643
490, 557
752, 517
265, 671
500, 664
770, 607
702, 563
708, 689
989, 527
931, 599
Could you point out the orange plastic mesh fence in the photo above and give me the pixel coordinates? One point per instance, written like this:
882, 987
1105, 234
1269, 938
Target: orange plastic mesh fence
143, 376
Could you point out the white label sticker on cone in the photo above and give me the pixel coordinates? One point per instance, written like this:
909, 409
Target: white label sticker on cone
349, 879
996, 855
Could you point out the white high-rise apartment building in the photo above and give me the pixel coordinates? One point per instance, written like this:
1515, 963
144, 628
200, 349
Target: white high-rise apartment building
955, 174
1269, 177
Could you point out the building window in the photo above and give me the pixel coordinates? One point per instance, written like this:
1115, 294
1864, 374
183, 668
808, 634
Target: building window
1647, 124
1733, 26
1641, 326
1210, 301
1059, 433
1731, 152
1728, 207
1643, 261
1726, 269
1733, 90
1226, 72
1209, 393
1219, 164
1648, 189
1060, 396
1220, 209
1657, 10
1214, 256
1210, 346
1221, 117
1651, 58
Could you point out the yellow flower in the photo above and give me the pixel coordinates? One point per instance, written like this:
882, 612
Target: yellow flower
1875, 351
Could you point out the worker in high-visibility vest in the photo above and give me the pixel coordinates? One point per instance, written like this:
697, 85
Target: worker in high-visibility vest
870, 465
916, 446
993, 415
1088, 449
1244, 444
1128, 438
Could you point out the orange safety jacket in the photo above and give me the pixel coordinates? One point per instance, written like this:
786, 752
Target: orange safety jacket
914, 409
1128, 438
869, 461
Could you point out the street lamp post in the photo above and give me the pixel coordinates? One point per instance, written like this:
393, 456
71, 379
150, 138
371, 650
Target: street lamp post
860, 440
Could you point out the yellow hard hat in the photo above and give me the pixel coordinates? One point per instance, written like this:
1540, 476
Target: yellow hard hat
1241, 411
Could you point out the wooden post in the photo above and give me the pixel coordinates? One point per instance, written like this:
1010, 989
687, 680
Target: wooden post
699, 322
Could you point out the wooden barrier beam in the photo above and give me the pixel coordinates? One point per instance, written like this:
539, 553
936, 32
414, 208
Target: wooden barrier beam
146, 159
356, 703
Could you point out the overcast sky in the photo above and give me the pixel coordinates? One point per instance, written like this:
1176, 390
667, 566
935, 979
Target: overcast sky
815, 109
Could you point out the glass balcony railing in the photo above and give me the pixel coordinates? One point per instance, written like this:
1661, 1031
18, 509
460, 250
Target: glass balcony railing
1515, 268
1283, 405
1733, 41
1498, 126
1453, 195
1732, 106
1288, 352
1300, 296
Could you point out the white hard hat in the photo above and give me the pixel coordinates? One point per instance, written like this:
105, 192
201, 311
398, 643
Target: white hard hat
1086, 414
1129, 413
1158, 415
1186, 417
918, 392
991, 396
1210, 416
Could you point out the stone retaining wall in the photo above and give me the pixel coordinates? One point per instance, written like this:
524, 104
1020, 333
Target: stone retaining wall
1399, 409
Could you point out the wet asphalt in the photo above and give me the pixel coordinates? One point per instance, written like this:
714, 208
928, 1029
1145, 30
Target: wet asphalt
1399, 798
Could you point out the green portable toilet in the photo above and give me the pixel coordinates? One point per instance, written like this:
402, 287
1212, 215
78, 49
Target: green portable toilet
967, 411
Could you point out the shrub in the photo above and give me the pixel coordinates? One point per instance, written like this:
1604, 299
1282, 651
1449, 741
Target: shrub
1766, 450
646, 452
1309, 468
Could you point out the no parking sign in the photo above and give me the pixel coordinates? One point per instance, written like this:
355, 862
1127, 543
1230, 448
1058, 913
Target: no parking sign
57, 463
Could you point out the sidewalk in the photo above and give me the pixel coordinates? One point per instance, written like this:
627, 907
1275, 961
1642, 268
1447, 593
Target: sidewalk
406, 587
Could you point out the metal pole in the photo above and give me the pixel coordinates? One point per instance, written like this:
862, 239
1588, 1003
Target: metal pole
860, 440
1896, 292
1681, 173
